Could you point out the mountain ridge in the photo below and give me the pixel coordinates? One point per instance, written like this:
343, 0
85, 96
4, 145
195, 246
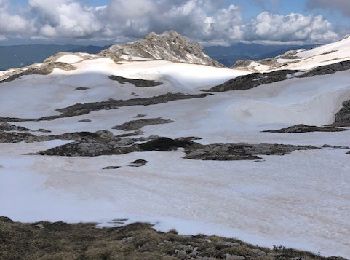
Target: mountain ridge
169, 46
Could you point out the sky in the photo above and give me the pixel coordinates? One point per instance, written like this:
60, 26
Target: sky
211, 22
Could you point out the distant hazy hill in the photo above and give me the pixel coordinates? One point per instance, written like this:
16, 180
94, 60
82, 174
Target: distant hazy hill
243, 51
23, 55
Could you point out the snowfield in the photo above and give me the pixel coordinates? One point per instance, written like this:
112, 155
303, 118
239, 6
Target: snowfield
308, 59
299, 200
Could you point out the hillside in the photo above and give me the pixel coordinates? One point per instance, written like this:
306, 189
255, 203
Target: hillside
302, 59
182, 143
229, 55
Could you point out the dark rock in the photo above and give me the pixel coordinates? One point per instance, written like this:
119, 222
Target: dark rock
328, 69
44, 69
82, 88
228, 152
111, 168
256, 79
342, 118
85, 108
138, 163
140, 83
165, 144
306, 129
140, 123
5, 219
253, 80
104, 143
85, 121
7, 127
44, 131
335, 147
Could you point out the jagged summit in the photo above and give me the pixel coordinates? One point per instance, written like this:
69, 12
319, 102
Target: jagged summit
169, 46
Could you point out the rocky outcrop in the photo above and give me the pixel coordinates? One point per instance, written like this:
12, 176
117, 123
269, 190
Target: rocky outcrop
8, 127
253, 80
169, 46
242, 64
112, 145
342, 118
328, 69
140, 123
85, 108
139, 83
306, 129
36, 69
232, 152
138, 163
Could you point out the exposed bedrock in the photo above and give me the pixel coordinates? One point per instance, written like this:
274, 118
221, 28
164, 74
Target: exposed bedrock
140, 83
253, 80
8, 127
42, 69
306, 129
14, 137
220, 152
140, 123
169, 46
342, 118
85, 108
4, 126
240, 151
328, 69
256, 79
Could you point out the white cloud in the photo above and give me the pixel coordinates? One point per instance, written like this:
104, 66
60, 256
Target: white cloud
292, 27
64, 18
203, 20
12, 24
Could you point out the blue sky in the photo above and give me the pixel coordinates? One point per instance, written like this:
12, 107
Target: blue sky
208, 21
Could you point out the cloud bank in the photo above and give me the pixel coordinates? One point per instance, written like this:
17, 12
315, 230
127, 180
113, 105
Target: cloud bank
212, 22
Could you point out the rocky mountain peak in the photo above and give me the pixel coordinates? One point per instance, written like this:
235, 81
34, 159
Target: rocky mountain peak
169, 46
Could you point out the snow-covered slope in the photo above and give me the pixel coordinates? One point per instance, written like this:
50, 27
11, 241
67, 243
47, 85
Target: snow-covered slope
75, 125
301, 59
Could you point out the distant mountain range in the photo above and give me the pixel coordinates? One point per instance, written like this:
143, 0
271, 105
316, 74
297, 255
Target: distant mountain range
250, 51
23, 55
